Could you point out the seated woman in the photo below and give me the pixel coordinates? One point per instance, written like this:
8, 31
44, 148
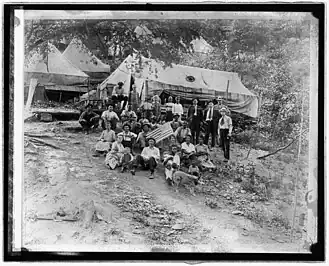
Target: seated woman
182, 131
187, 151
114, 157
203, 155
105, 140
149, 158
128, 136
175, 124
171, 163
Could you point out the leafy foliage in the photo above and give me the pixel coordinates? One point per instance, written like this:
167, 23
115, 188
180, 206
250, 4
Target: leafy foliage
271, 56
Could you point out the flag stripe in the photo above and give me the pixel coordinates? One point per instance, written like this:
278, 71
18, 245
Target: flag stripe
161, 133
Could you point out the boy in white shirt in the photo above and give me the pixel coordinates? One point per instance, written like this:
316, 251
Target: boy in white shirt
224, 132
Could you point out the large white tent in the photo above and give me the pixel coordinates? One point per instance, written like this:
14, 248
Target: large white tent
151, 77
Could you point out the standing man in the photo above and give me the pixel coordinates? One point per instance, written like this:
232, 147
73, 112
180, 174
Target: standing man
169, 109
147, 108
178, 109
156, 104
119, 96
134, 98
195, 117
225, 131
211, 117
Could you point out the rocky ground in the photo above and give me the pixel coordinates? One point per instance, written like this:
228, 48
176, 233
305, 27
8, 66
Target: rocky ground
110, 211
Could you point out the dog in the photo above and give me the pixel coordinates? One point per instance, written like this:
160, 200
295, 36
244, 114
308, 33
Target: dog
180, 178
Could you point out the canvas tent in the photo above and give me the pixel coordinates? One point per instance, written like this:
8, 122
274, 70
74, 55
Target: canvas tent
81, 57
54, 69
57, 78
187, 82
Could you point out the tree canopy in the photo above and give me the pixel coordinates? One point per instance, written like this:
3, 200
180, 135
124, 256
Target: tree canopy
271, 56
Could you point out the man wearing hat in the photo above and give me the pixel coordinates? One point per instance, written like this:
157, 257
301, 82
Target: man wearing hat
182, 132
225, 131
88, 119
195, 116
211, 117
128, 136
148, 159
147, 108
141, 138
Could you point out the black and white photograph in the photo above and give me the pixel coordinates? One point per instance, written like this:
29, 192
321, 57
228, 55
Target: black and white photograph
165, 131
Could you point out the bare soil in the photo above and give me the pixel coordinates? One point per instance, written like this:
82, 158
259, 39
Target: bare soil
111, 211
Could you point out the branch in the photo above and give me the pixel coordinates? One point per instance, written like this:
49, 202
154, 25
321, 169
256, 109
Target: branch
42, 142
282, 148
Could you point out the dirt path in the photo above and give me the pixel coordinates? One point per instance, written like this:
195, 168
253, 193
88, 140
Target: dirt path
70, 177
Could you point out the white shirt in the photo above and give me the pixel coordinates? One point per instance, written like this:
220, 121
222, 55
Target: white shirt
227, 124
178, 109
127, 136
108, 116
195, 110
151, 152
188, 148
210, 114
170, 107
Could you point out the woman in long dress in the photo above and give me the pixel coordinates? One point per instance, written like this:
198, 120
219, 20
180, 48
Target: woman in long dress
105, 140
115, 155
203, 155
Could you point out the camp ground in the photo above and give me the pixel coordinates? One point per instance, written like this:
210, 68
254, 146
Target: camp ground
168, 135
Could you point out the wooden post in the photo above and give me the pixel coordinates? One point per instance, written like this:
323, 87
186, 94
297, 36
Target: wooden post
228, 85
60, 96
88, 88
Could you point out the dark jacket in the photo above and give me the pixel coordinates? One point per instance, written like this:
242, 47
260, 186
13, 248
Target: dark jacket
215, 116
190, 114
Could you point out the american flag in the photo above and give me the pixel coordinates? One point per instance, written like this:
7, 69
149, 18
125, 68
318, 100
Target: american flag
160, 133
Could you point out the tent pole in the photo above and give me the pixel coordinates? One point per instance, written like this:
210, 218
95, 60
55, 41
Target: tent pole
228, 84
88, 88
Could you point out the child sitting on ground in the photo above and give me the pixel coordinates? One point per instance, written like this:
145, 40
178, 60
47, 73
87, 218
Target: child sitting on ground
126, 160
194, 170
171, 163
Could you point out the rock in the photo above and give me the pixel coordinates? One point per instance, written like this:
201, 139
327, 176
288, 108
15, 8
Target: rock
237, 213
178, 226
231, 187
243, 191
225, 195
228, 197
76, 142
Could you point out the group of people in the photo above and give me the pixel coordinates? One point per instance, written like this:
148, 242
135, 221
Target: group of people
124, 141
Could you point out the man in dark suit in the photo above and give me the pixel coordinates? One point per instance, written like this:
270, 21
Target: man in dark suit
211, 116
195, 117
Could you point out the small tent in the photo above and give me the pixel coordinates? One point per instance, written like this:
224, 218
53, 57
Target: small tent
151, 77
55, 75
81, 57
54, 68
